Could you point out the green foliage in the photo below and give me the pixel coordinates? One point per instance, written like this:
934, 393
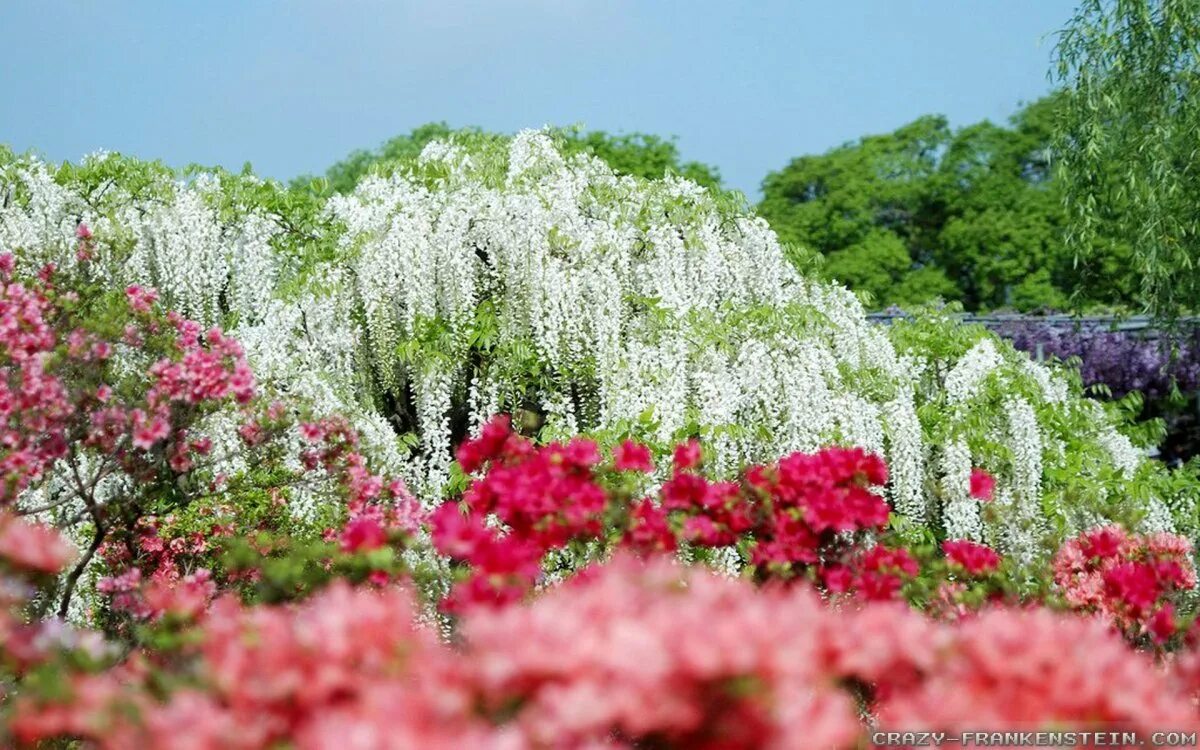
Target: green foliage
287, 568
925, 212
872, 266
1128, 140
344, 175
638, 154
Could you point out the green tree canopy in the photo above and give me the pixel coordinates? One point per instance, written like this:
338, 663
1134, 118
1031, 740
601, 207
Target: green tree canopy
973, 215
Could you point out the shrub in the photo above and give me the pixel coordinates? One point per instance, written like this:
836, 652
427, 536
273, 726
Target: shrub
631, 654
112, 411
502, 275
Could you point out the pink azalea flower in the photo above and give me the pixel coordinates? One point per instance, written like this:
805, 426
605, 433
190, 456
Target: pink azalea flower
631, 456
983, 485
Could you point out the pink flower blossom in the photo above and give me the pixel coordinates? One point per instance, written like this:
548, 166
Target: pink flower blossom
140, 298
974, 558
148, 430
33, 546
1125, 578
311, 432
363, 534
631, 456
983, 485
687, 455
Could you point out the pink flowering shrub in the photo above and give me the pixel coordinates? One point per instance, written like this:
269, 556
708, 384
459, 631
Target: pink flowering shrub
347, 663
800, 516
664, 656
69, 405
31, 554
1129, 580
629, 654
108, 392
245, 546
1035, 669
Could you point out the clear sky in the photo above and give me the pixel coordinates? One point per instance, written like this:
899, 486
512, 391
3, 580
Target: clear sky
293, 86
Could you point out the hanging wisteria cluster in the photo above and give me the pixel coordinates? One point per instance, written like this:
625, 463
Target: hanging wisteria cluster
504, 276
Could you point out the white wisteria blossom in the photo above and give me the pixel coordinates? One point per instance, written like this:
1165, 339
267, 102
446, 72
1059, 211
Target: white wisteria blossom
961, 511
970, 372
507, 275
906, 452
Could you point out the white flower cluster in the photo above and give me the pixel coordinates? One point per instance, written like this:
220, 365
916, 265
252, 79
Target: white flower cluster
484, 281
1125, 456
906, 454
1022, 498
969, 373
960, 511
1025, 442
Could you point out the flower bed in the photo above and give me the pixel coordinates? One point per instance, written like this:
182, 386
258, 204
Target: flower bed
195, 554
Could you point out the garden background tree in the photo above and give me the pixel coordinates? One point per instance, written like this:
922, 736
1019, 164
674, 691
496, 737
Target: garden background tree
1129, 136
972, 215
638, 154
345, 174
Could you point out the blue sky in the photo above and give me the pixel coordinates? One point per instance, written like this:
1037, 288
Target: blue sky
293, 86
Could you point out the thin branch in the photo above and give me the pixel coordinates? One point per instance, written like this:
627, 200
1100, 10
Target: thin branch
43, 508
73, 578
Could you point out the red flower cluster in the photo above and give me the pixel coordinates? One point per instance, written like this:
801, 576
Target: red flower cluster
802, 511
972, 557
544, 496
881, 572
1127, 579
806, 502
631, 456
983, 485
805, 510
39, 413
